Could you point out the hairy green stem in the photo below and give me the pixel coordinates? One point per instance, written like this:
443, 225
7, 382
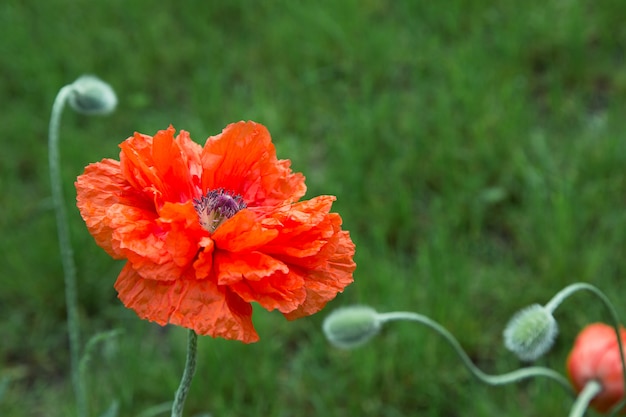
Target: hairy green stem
507, 378
67, 254
190, 369
583, 286
581, 404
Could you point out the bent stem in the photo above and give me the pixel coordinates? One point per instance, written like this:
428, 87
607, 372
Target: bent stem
503, 379
583, 286
592, 389
190, 369
67, 254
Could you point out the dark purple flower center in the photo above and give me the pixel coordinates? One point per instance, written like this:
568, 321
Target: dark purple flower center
216, 207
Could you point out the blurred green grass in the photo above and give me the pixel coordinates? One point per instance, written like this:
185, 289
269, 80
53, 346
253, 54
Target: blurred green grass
477, 152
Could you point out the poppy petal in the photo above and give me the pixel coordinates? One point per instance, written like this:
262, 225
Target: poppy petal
103, 194
284, 292
203, 265
305, 229
199, 305
124, 223
181, 231
596, 356
252, 266
159, 248
242, 232
325, 282
164, 168
242, 159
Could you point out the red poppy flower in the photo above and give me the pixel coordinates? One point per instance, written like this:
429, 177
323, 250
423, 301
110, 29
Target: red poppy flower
596, 356
208, 230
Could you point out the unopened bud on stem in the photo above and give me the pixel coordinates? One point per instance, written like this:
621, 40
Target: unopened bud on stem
350, 327
90, 95
531, 332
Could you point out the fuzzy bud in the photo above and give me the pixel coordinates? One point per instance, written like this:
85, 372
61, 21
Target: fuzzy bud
350, 327
531, 332
90, 95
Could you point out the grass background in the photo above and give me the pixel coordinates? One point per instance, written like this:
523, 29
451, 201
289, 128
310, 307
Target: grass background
477, 152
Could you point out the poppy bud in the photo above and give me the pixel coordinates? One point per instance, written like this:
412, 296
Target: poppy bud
350, 327
596, 356
531, 332
90, 95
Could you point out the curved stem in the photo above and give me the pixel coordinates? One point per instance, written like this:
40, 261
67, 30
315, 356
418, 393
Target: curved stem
507, 378
67, 254
581, 404
583, 286
190, 369
560, 296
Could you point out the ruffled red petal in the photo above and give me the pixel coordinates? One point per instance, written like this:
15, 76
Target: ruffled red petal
310, 244
107, 201
242, 159
203, 265
117, 201
280, 291
243, 232
233, 267
199, 305
328, 279
163, 168
305, 229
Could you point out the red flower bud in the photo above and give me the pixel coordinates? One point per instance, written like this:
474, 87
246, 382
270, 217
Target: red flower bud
595, 356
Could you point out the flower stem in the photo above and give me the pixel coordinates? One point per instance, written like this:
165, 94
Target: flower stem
592, 389
583, 286
67, 254
507, 378
190, 369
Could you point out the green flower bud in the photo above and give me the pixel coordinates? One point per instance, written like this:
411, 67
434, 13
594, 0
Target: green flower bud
350, 327
90, 95
531, 332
